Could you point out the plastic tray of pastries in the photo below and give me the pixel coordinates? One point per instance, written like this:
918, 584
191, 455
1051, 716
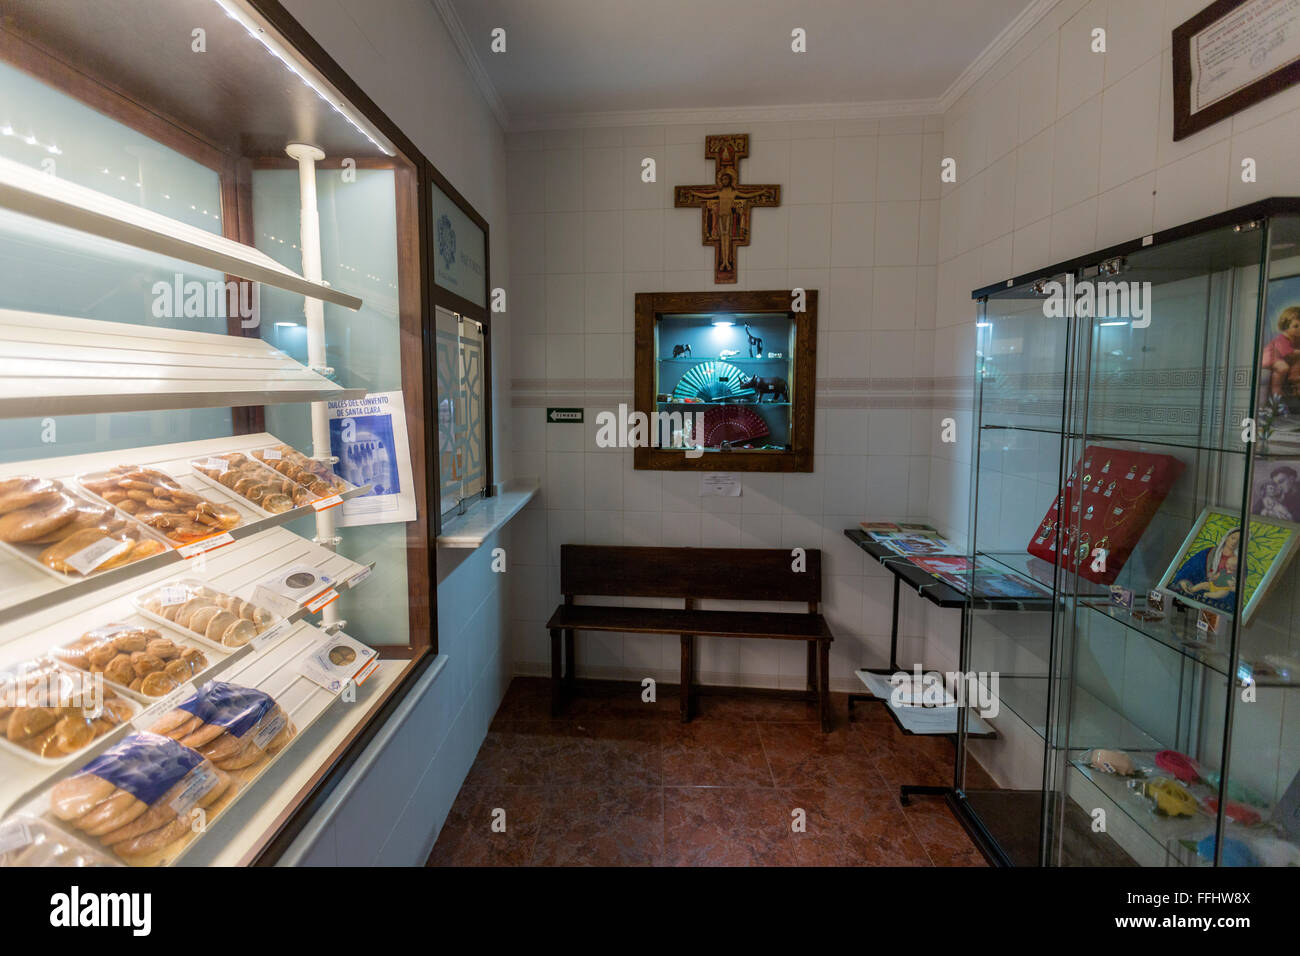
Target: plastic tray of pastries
270, 492
49, 713
156, 499
28, 841
140, 660
220, 620
67, 532
316, 476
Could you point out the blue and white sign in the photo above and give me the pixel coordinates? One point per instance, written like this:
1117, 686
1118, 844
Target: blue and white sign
460, 256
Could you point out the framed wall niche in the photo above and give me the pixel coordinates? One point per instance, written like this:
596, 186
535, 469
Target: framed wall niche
729, 376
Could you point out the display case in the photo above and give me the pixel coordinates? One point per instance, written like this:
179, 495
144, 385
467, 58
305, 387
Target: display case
1136, 447
211, 594
725, 380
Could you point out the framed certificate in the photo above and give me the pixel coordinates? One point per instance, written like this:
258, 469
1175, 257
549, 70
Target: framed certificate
1231, 55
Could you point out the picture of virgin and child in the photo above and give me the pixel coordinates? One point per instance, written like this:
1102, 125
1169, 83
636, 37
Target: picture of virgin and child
1209, 576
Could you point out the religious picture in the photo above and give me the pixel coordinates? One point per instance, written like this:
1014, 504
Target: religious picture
1275, 490
1279, 367
1204, 573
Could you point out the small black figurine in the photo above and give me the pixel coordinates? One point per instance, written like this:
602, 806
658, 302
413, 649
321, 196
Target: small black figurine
680, 350
776, 387
755, 343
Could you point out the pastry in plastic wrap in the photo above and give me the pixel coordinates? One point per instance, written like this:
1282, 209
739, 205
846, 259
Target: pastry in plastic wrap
315, 476
138, 658
237, 728
156, 499
250, 479
138, 797
30, 841
53, 712
220, 618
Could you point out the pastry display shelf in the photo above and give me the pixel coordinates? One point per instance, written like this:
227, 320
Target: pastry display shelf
62, 365
34, 193
26, 589
235, 569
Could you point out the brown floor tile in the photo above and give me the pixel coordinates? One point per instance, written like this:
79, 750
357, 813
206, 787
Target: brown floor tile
712, 753
467, 837
605, 753
527, 698
706, 826
944, 839
601, 826
800, 755
849, 827
514, 754
910, 758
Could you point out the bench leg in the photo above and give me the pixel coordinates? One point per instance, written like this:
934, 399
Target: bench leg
556, 672
824, 683
688, 671
570, 658
812, 666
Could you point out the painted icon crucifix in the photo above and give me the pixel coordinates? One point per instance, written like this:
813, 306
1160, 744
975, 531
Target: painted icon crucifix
725, 204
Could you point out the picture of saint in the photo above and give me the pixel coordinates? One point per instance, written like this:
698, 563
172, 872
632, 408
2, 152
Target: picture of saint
1276, 490
1210, 575
1280, 360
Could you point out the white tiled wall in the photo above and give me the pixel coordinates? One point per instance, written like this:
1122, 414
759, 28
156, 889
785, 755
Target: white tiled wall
859, 224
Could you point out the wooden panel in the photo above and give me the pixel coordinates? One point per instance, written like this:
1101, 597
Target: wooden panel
29, 192
743, 574
642, 620
62, 365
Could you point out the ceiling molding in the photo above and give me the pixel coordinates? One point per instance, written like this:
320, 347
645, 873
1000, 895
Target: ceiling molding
1014, 31
460, 36
728, 114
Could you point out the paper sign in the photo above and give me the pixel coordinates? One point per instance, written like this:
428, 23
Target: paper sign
720, 484
368, 437
204, 545
271, 454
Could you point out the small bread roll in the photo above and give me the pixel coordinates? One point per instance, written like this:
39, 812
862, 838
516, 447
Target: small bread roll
37, 521
157, 683
75, 796
218, 625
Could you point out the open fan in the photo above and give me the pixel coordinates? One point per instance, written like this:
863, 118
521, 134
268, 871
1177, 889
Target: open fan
711, 382
733, 423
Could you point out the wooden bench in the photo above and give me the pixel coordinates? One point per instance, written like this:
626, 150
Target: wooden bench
691, 575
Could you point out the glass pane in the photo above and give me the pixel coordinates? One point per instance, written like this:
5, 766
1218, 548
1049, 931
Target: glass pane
471, 462
460, 255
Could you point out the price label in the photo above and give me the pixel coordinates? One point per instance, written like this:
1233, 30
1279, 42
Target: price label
359, 577
271, 634
92, 556
219, 465
197, 783
15, 837
170, 594
321, 504
204, 545
271, 454
327, 596
149, 716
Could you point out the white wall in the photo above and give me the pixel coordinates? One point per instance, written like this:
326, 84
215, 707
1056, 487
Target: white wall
400, 54
857, 223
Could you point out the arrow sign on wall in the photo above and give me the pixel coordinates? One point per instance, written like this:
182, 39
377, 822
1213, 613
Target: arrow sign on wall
573, 415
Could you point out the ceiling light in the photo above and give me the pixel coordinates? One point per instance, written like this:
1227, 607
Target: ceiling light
722, 323
308, 74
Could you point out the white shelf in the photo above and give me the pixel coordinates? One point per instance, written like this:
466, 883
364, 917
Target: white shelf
235, 569
486, 515
61, 365
32, 193
26, 590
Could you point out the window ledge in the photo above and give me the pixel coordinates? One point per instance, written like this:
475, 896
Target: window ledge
487, 515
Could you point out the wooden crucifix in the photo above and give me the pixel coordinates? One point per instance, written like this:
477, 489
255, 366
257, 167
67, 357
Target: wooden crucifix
725, 205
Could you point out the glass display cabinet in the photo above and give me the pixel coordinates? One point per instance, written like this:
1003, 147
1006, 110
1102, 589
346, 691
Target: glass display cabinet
1137, 447
214, 537
725, 380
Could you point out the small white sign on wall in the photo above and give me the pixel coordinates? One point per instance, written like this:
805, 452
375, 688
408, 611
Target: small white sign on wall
720, 484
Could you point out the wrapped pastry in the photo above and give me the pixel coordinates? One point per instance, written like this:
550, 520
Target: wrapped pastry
217, 617
254, 481
30, 841
315, 476
53, 712
138, 658
237, 728
138, 798
156, 499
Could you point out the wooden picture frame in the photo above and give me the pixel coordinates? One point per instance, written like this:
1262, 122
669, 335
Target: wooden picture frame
651, 306
1237, 52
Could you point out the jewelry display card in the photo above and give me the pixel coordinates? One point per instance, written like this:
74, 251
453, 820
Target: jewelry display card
1103, 510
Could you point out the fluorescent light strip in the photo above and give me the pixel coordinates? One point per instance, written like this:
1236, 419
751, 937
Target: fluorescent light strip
313, 81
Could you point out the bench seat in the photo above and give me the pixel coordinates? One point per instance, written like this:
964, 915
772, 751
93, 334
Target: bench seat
649, 620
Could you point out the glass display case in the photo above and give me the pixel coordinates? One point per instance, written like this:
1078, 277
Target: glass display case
214, 537
725, 380
1136, 447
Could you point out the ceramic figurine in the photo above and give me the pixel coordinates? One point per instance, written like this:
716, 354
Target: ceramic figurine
680, 350
728, 353
755, 343
778, 388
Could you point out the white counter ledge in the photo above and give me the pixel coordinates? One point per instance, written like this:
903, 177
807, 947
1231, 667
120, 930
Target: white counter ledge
486, 515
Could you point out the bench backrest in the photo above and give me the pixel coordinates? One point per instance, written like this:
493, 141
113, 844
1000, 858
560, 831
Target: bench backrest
738, 574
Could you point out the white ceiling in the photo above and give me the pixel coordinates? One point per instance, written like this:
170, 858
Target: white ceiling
570, 57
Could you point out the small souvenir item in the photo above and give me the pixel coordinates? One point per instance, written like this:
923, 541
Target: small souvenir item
1235, 853
1169, 798
1111, 761
1110, 489
755, 343
1235, 811
1132, 472
680, 350
1087, 515
1105, 469
1179, 764
728, 353
1207, 622
1156, 599
1121, 597
1147, 475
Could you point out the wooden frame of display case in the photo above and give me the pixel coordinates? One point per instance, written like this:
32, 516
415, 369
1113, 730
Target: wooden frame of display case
651, 305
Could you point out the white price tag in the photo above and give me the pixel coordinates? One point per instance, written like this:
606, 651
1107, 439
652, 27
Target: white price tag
271, 454
269, 729
170, 594
321, 504
204, 545
15, 837
271, 634
92, 556
359, 577
149, 716
219, 465
327, 596
198, 782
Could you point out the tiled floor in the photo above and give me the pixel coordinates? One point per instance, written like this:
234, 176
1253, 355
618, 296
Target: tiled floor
615, 781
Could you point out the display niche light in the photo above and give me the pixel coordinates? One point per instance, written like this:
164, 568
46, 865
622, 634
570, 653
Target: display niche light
306, 73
